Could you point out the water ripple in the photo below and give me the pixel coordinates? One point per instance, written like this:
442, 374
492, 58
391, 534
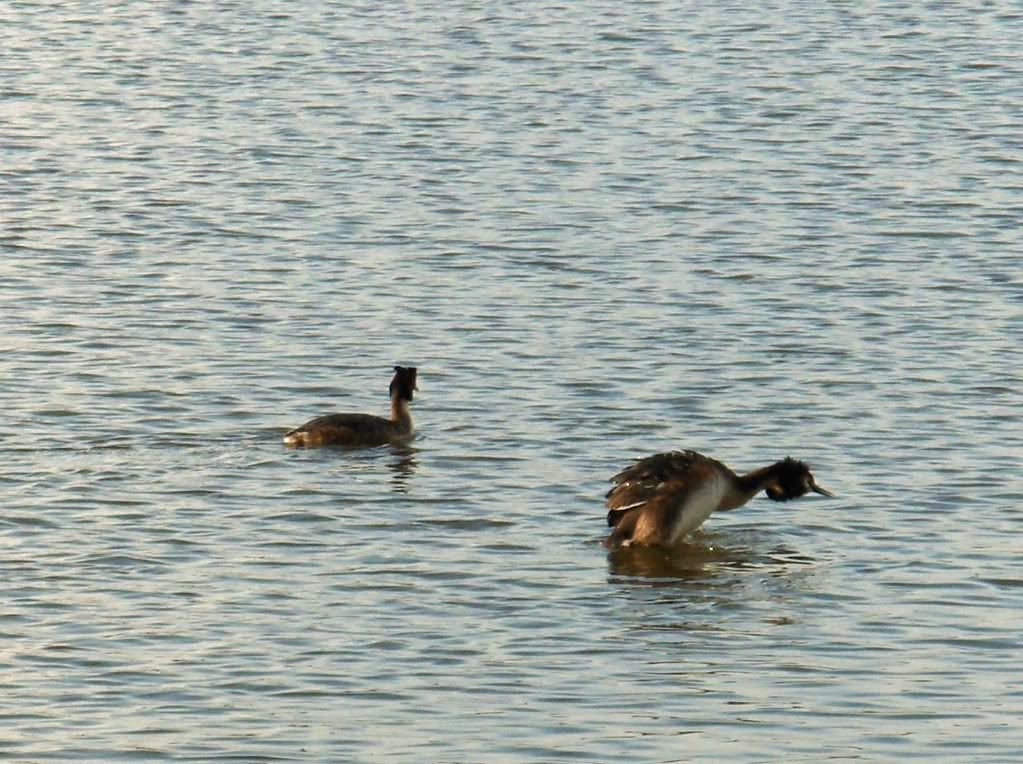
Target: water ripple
600, 231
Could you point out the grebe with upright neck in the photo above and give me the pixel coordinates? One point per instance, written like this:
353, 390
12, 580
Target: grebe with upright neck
662, 498
356, 430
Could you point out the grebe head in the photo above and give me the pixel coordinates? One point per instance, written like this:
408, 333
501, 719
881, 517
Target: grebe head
791, 479
404, 382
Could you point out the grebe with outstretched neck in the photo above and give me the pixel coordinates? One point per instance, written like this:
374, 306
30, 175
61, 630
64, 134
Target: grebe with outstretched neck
363, 429
662, 498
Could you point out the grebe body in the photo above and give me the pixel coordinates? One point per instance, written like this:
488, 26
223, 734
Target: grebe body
661, 499
363, 430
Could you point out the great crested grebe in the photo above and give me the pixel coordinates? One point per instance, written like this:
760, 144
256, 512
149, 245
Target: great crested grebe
363, 429
660, 499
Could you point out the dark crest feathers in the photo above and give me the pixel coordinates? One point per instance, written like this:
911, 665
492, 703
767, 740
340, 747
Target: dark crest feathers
404, 382
790, 475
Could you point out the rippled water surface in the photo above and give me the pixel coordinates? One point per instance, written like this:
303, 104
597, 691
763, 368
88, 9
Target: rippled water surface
600, 230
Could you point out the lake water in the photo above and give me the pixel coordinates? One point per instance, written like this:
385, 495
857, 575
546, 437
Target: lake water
600, 230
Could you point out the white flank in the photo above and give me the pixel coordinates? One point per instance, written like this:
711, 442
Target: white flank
698, 507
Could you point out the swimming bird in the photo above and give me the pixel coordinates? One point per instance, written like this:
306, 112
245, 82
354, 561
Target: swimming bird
363, 429
661, 498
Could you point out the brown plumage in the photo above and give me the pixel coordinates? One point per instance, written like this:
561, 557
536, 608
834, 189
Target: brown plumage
355, 430
662, 498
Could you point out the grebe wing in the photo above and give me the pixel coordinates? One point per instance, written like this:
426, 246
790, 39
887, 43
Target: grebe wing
658, 484
641, 481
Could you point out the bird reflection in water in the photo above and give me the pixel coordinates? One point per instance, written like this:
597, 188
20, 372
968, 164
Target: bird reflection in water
696, 558
701, 557
404, 465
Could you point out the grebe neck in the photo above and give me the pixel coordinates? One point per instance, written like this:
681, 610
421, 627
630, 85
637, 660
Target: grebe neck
744, 487
401, 415
754, 482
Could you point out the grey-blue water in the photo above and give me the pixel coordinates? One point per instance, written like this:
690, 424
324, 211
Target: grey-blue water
600, 230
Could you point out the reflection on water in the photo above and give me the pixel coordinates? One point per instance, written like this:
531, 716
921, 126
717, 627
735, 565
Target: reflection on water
699, 557
694, 559
702, 585
404, 465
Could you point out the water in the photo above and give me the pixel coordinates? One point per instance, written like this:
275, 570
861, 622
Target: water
600, 231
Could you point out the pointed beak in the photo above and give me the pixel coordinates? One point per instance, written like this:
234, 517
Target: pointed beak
817, 489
